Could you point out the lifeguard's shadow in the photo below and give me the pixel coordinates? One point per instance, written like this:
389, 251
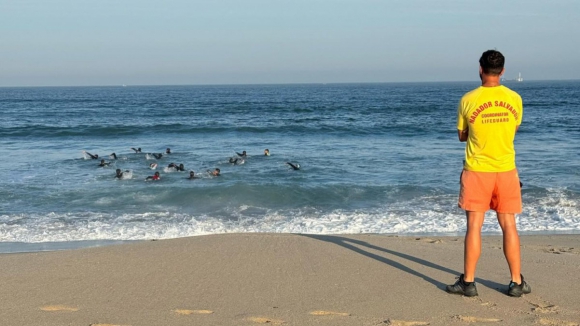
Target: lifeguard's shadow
355, 245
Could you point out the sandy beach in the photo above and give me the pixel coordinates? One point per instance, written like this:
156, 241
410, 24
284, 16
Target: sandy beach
288, 279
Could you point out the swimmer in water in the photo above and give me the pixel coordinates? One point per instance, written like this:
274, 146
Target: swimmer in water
179, 167
236, 161
215, 173
156, 176
103, 163
119, 173
113, 156
266, 152
153, 166
168, 150
243, 154
137, 150
294, 166
94, 157
157, 155
192, 175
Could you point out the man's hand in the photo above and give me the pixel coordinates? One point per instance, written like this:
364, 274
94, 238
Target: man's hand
463, 134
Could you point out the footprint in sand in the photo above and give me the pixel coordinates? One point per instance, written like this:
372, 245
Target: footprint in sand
543, 307
554, 322
548, 309
489, 304
392, 322
429, 240
58, 308
561, 250
264, 320
328, 313
192, 312
471, 319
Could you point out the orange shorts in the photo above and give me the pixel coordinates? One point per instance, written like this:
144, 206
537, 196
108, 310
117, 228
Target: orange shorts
500, 191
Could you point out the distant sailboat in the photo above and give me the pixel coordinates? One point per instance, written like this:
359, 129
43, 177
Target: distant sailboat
520, 79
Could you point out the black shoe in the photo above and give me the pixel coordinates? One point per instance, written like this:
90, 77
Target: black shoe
467, 289
516, 290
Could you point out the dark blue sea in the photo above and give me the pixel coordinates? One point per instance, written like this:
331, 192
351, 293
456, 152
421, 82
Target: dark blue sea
375, 158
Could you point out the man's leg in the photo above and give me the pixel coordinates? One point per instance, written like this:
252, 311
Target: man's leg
472, 244
511, 244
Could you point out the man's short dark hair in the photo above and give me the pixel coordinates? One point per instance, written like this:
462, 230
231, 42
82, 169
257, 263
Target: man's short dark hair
491, 62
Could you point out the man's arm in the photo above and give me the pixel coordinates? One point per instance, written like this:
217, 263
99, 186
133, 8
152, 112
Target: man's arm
463, 134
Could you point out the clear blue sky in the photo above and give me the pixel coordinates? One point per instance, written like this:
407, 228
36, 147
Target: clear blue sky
142, 42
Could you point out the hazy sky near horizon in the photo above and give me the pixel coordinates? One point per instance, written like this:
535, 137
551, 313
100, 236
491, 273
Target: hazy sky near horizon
143, 42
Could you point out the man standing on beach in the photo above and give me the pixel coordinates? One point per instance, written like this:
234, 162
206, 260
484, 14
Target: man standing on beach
487, 119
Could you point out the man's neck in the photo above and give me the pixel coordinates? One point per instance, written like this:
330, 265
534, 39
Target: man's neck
490, 80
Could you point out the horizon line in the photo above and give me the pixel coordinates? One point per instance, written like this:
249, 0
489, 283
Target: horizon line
280, 84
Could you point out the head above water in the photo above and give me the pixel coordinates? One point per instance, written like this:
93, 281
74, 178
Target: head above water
157, 173
168, 151
492, 63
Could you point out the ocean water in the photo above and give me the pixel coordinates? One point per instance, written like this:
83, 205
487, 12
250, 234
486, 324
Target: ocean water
375, 158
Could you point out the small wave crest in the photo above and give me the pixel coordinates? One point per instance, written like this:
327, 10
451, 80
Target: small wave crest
426, 214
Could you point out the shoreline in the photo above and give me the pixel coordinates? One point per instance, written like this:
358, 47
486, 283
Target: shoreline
289, 279
28, 247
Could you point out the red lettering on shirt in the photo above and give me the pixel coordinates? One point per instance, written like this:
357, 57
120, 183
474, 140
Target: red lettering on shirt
496, 103
480, 109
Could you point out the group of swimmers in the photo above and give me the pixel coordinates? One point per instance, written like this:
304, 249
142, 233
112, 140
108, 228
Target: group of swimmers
119, 174
243, 155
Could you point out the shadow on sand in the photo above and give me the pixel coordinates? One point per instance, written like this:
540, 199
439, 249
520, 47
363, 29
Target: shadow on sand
361, 247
